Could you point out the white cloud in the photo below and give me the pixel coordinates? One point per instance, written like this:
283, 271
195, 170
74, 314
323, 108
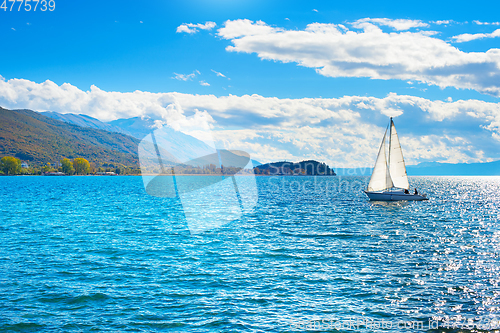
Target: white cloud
468, 37
185, 77
434, 147
246, 28
399, 24
203, 83
485, 23
342, 131
218, 73
315, 10
198, 125
191, 28
186, 29
445, 22
335, 52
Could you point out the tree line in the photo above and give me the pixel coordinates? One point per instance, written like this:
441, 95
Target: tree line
10, 165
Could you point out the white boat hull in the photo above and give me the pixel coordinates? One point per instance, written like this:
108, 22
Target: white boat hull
395, 196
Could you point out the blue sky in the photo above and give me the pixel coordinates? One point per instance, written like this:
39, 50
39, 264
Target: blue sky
276, 78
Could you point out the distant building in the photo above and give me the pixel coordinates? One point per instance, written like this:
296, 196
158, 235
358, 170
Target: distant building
24, 165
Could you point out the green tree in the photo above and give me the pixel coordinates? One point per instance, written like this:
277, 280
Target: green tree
81, 165
48, 168
10, 165
67, 166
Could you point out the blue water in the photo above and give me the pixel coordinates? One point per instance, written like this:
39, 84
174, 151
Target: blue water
98, 253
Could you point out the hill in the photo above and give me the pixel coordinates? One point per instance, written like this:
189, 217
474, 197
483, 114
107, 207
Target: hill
309, 168
33, 137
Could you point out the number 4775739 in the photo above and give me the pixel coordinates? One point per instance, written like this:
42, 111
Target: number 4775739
28, 5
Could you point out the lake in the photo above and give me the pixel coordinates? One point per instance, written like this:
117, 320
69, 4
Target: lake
98, 253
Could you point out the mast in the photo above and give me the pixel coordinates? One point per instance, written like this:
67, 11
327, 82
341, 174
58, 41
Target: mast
390, 143
397, 167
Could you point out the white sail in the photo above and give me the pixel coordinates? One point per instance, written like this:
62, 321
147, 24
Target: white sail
381, 179
397, 168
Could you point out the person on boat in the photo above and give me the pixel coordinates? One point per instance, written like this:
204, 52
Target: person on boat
406, 191
416, 192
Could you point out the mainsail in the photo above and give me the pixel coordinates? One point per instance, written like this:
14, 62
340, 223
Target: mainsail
389, 177
381, 179
397, 168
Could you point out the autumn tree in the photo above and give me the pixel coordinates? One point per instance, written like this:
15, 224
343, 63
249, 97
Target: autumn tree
81, 165
67, 166
47, 168
10, 165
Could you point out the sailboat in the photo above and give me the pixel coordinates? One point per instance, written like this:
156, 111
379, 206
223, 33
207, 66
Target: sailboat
389, 180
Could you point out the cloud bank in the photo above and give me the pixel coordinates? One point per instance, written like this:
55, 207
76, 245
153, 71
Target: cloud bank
335, 51
342, 131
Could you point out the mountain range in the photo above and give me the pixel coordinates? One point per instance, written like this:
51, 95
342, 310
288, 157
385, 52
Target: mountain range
85, 121
435, 169
184, 147
37, 139
41, 137
137, 127
459, 169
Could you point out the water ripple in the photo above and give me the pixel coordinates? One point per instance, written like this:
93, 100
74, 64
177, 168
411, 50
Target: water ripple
97, 253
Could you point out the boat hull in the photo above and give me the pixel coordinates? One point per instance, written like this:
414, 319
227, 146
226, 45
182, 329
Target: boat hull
394, 196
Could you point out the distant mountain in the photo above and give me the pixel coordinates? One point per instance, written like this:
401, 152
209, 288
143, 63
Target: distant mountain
255, 163
184, 147
310, 168
459, 169
33, 137
135, 126
436, 169
84, 121
181, 145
